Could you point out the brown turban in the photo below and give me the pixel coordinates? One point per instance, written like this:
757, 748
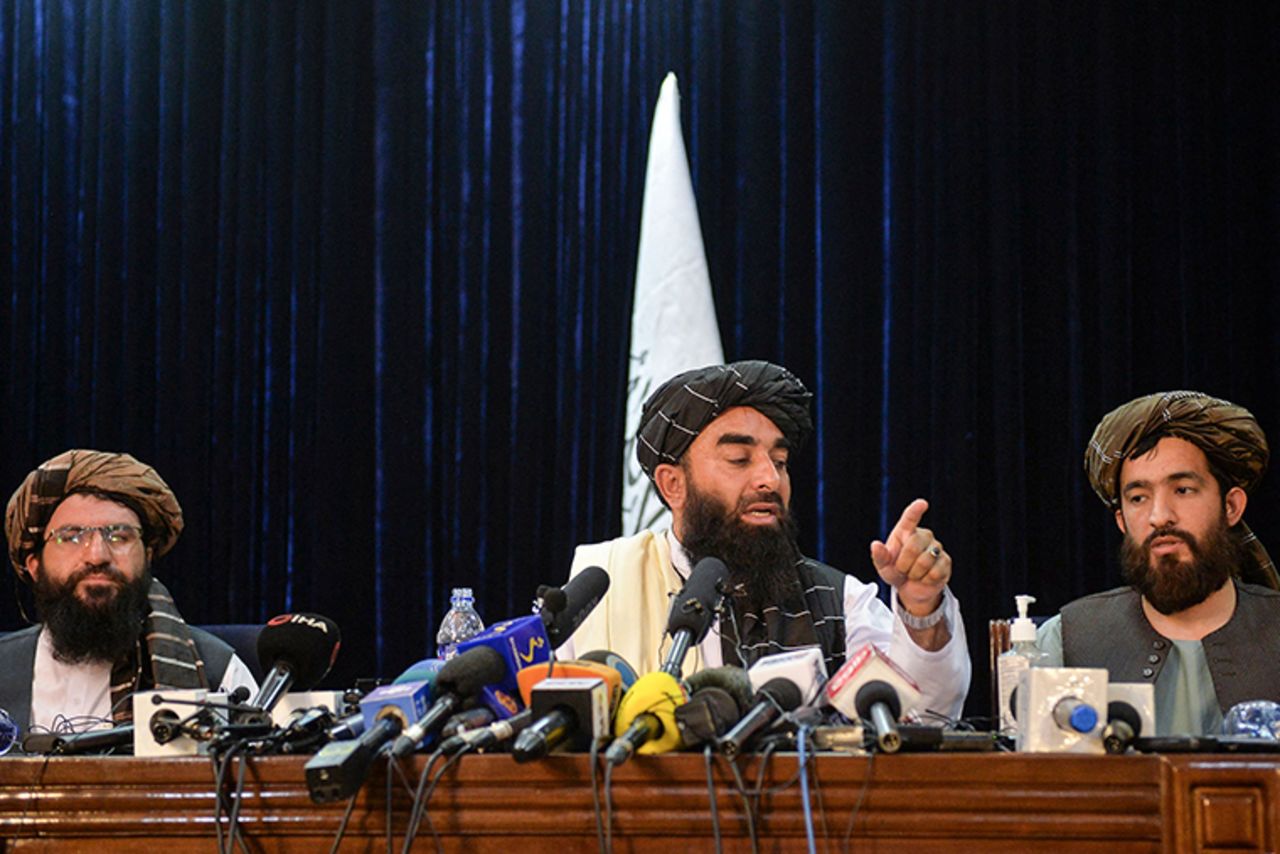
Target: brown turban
1228, 434
684, 405
34, 501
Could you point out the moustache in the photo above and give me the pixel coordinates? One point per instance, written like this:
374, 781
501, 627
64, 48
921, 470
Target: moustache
769, 497
1180, 534
106, 569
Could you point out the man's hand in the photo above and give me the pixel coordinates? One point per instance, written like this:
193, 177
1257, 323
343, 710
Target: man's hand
913, 562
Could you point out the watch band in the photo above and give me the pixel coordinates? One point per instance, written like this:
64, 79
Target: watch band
928, 621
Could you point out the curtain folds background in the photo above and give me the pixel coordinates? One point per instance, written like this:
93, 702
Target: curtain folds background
356, 277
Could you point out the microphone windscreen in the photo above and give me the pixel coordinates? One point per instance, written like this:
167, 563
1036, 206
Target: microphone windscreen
467, 672
611, 659
425, 670
732, 680
307, 642
658, 694
694, 606
784, 693
581, 595
877, 691
710, 713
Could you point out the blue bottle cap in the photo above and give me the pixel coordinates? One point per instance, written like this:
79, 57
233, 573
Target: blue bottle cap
1084, 718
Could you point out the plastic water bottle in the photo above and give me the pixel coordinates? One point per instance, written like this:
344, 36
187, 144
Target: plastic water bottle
1023, 654
460, 623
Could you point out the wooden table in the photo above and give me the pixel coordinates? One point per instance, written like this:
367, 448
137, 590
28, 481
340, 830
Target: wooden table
921, 802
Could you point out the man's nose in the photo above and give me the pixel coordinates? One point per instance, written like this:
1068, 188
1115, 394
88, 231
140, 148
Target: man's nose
1162, 512
96, 549
765, 475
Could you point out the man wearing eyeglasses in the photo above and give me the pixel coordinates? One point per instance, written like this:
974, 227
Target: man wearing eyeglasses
83, 529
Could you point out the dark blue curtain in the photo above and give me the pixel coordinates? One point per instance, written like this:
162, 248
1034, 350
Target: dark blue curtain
356, 278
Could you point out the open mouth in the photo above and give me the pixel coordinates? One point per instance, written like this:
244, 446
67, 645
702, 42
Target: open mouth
761, 512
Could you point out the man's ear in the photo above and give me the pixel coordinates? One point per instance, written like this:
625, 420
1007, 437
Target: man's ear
1234, 502
1120, 521
32, 564
672, 485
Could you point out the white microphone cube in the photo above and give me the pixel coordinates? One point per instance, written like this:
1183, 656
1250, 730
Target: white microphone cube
301, 701
869, 664
150, 717
1140, 695
1062, 710
805, 667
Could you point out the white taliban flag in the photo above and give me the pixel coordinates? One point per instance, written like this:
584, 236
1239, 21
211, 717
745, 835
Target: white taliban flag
673, 319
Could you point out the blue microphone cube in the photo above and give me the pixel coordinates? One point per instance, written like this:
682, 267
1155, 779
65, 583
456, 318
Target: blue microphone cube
522, 641
406, 702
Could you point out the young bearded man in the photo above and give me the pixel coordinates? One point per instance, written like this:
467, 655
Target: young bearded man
1177, 469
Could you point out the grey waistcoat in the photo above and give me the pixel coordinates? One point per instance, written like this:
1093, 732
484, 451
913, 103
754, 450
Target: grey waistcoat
18, 659
1110, 630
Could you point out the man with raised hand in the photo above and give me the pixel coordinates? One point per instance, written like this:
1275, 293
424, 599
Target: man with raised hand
717, 443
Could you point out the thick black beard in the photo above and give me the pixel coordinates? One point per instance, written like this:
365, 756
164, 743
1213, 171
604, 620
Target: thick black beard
104, 629
761, 559
1174, 585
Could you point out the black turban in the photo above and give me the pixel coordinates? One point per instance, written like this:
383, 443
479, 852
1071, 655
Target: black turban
684, 405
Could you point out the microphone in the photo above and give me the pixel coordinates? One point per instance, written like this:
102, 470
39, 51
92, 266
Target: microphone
645, 721
494, 733
524, 641
572, 710
564, 608
529, 677
468, 719
461, 677
693, 611
775, 698
877, 701
718, 697
93, 741
1124, 725
299, 649
611, 659
340, 768
866, 666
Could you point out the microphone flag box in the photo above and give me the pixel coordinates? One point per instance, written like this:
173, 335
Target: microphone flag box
301, 701
588, 700
1140, 695
522, 642
406, 702
161, 726
1062, 709
866, 665
805, 667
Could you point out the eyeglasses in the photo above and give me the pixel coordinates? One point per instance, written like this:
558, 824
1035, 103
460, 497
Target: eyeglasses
117, 537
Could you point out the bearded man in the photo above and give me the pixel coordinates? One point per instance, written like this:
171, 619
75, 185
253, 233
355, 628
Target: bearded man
83, 530
1177, 469
716, 443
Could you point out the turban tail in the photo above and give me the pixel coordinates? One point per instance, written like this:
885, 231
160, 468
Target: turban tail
33, 503
1228, 435
684, 405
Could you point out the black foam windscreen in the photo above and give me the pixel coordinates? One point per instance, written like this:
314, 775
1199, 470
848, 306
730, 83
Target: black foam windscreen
693, 609
581, 595
877, 691
784, 693
467, 672
710, 713
308, 643
732, 680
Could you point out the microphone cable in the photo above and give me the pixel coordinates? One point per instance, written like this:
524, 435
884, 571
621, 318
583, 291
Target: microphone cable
801, 739
857, 805
708, 761
393, 770
747, 806
594, 759
423, 797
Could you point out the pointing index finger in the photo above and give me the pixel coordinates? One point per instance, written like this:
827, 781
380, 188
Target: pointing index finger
910, 519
